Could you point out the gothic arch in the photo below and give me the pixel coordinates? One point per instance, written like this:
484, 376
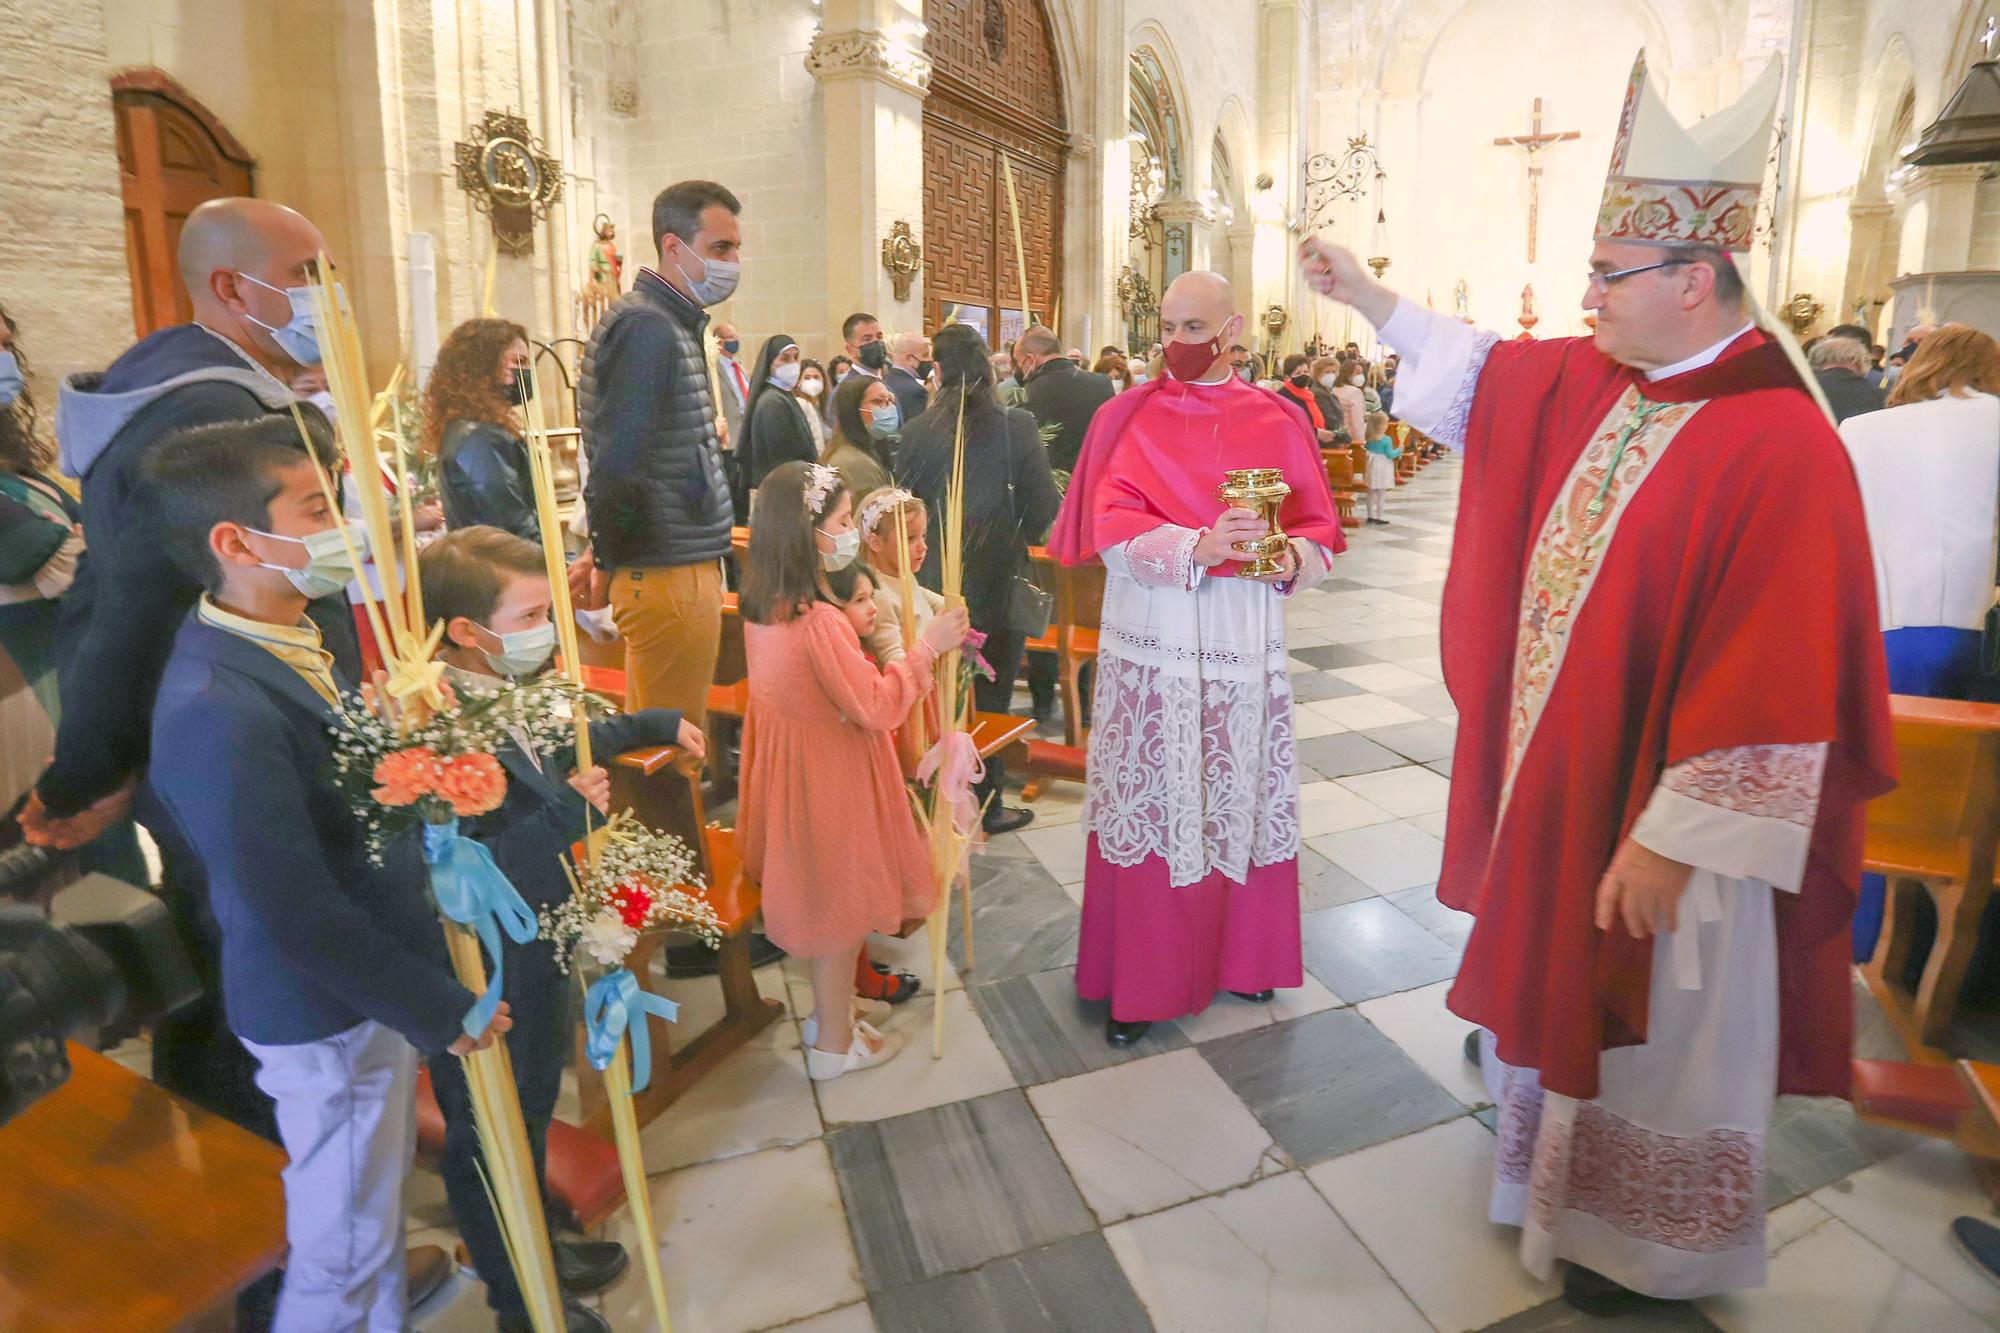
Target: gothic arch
1406, 32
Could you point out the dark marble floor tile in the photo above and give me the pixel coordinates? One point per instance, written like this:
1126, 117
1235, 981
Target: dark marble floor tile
1815, 1141
1337, 584
1073, 1286
1874, 1037
1422, 906
1431, 700
1556, 1317
1022, 921
1328, 1084
1046, 1033
1344, 754
1369, 948
1442, 766
1490, 1117
951, 1188
1420, 742
1323, 884
1308, 686
1333, 656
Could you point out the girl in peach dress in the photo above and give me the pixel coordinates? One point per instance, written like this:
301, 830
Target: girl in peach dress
823, 823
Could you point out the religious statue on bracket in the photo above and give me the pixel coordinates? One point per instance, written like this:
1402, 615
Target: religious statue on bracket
903, 256
1527, 319
1461, 301
509, 178
607, 270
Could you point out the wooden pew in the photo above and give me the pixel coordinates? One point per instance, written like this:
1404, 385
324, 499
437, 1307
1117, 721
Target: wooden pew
1935, 834
1345, 483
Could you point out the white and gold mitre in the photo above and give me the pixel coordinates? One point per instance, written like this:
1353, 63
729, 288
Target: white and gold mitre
1671, 184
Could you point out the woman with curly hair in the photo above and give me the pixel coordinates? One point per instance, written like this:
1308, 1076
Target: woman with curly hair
471, 424
40, 542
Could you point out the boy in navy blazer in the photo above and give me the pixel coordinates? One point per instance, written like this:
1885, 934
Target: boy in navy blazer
491, 590
333, 972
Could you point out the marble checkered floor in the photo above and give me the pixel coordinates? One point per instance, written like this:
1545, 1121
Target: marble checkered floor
1318, 1163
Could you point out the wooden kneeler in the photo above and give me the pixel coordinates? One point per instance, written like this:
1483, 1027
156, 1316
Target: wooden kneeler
1935, 834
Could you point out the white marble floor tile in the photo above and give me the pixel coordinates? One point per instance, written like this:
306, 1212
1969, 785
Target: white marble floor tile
758, 1098
1306, 724
1227, 1015
1430, 666
1380, 677
1430, 1034
848, 1319
1905, 1204
1060, 849
1419, 1204
1147, 1135
1833, 1280
1061, 804
1403, 792
746, 1243
1790, 1222
971, 1066
1385, 857
1306, 638
1358, 712
1328, 807
1270, 1258
1432, 823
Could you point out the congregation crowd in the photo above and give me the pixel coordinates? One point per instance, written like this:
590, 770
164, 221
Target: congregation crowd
192, 622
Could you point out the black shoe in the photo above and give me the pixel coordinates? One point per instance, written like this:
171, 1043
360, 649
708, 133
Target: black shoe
586, 1266
1125, 1034
1979, 1242
698, 960
1007, 818
577, 1318
1472, 1048
1255, 996
1595, 1294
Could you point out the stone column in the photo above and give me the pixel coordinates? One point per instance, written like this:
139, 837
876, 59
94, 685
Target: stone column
1937, 220
1281, 117
873, 75
1866, 223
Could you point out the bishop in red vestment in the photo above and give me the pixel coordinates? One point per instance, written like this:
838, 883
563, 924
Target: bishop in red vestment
1659, 628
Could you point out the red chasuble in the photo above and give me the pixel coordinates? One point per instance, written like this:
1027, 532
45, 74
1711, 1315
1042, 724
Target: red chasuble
1609, 614
1156, 453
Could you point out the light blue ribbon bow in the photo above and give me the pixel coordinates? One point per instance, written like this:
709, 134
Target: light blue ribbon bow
607, 1013
471, 891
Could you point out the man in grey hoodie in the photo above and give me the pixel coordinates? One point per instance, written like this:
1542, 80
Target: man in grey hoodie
245, 262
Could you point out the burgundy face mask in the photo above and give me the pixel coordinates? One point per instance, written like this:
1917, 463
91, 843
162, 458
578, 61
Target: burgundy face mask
1188, 361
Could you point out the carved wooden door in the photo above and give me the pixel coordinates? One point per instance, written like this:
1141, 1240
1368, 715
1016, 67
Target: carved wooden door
172, 156
995, 89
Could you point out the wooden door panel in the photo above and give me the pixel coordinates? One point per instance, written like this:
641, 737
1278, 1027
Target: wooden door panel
170, 161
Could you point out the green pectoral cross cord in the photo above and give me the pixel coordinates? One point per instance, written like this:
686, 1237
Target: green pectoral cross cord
1636, 421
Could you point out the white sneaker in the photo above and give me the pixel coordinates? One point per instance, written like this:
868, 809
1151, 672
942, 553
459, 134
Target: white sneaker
865, 1011
824, 1065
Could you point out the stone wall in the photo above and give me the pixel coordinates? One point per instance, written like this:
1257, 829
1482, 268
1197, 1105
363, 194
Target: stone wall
63, 274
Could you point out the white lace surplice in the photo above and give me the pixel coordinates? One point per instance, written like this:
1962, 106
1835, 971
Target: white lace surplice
1191, 723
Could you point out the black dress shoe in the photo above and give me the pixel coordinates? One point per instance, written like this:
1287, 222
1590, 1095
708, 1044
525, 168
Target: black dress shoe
1125, 1034
585, 1266
1255, 996
1007, 818
577, 1318
698, 960
1597, 1295
1979, 1242
1472, 1048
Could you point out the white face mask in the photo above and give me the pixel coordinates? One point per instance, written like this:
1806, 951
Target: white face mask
327, 569
1117, 383
1329, 380
845, 547
810, 386
299, 338
522, 652
785, 376
717, 281
1357, 381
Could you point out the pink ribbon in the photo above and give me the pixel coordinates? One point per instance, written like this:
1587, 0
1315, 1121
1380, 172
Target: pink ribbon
952, 766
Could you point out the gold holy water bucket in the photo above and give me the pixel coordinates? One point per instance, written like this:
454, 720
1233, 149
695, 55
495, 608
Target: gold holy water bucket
1262, 489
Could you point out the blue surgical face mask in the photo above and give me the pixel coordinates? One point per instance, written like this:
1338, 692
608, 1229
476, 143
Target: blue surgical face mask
717, 281
885, 420
327, 569
299, 338
732, 346
11, 383
522, 652
785, 376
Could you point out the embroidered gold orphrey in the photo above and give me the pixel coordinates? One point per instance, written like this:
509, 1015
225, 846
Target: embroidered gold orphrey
1570, 551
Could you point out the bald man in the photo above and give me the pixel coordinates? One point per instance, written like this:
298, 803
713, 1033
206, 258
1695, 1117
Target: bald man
1191, 797
909, 373
245, 263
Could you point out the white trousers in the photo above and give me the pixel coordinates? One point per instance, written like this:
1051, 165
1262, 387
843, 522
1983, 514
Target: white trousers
1658, 1181
347, 1115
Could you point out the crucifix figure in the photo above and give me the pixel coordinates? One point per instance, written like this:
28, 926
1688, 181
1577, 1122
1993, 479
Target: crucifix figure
1535, 141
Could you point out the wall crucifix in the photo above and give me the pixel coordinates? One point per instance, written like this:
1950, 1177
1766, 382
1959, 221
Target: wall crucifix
1535, 141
